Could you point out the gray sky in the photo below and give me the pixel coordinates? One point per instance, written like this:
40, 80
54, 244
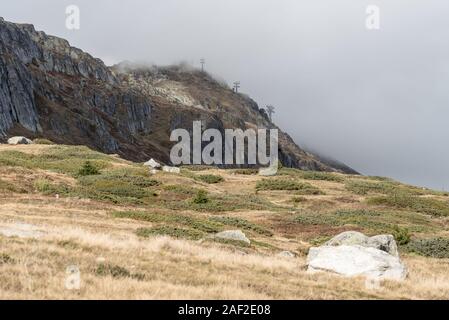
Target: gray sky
377, 100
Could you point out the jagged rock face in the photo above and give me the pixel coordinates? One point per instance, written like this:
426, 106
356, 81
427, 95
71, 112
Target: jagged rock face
52, 90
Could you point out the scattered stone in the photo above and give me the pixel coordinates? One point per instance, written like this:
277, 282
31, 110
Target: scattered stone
19, 140
152, 164
356, 260
270, 171
153, 171
171, 169
286, 254
234, 235
384, 242
100, 260
21, 230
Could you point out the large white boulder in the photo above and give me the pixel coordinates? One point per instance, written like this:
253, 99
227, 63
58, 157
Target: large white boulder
234, 235
19, 140
384, 242
152, 164
356, 260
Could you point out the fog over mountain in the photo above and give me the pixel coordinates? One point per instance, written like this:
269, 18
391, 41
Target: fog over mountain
377, 100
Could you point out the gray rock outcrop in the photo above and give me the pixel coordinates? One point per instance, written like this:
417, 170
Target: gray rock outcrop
355, 260
19, 140
233, 235
352, 254
384, 242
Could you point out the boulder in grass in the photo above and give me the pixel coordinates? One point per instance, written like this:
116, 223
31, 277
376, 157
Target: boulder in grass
384, 242
356, 260
233, 235
171, 169
19, 140
152, 164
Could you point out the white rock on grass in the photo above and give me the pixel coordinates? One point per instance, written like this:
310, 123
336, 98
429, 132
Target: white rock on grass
19, 140
152, 164
356, 260
384, 242
234, 235
171, 169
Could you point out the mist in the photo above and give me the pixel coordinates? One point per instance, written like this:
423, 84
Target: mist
377, 100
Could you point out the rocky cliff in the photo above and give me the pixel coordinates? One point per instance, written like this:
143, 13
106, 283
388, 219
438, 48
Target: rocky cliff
52, 90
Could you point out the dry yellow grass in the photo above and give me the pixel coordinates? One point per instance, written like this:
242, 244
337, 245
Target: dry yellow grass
40, 236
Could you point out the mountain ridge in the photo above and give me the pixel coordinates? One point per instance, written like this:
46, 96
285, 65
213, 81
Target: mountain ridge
52, 90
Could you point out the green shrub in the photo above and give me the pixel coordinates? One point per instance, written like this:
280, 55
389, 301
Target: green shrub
171, 231
6, 259
318, 175
63, 159
370, 220
246, 171
434, 247
288, 185
42, 141
117, 272
201, 197
197, 167
297, 200
242, 224
194, 223
363, 187
47, 187
88, 169
401, 235
181, 189
209, 178
419, 204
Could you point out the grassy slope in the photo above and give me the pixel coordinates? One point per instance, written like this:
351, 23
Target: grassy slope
114, 227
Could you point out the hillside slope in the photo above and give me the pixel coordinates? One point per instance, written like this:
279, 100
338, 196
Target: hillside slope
52, 90
135, 235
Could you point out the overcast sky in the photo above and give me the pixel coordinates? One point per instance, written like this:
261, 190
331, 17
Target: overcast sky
377, 100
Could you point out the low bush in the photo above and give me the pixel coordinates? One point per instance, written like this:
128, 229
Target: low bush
201, 197
199, 224
6, 259
242, 224
434, 247
246, 171
401, 235
429, 206
175, 232
209, 178
363, 187
318, 175
48, 187
288, 185
117, 272
62, 159
42, 141
88, 169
